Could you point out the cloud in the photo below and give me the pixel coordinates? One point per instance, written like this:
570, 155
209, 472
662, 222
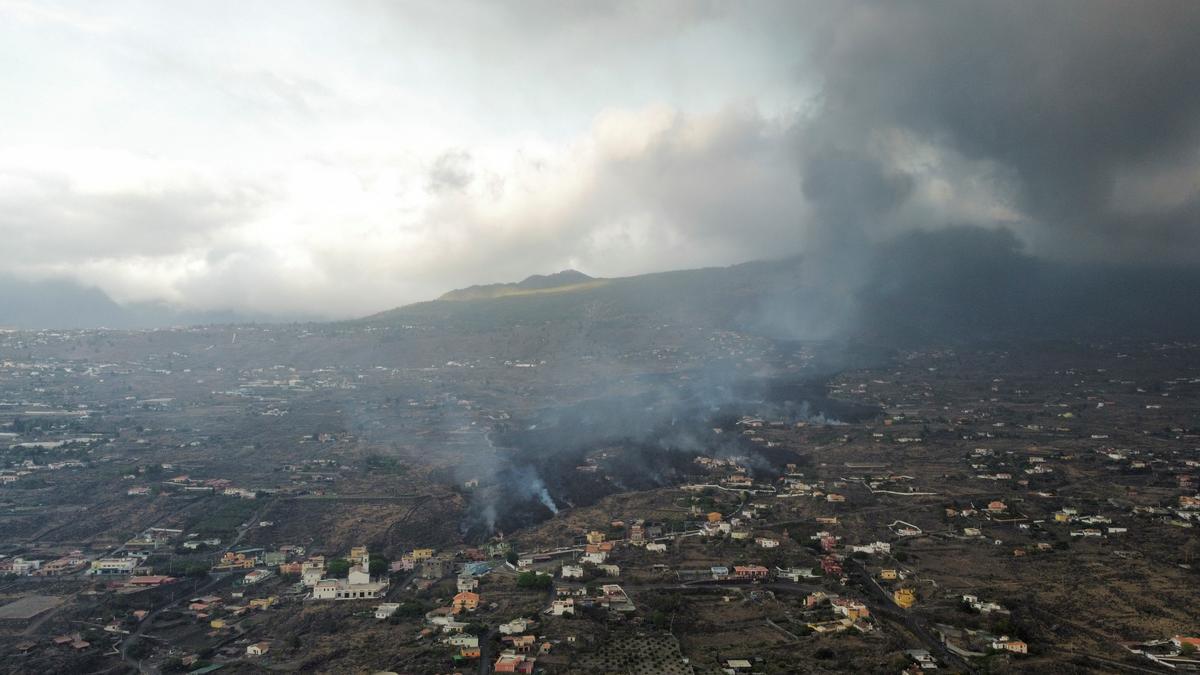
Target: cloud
451, 171
60, 210
643, 190
1086, 113
360, 157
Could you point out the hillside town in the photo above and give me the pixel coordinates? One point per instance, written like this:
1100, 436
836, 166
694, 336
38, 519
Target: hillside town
952, 528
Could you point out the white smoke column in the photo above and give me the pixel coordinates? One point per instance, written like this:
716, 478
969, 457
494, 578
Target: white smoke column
532, 485
538, 488
544, 496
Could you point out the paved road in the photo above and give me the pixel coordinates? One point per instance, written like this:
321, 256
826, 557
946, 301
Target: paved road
147, 668
397, 589
33, 627
210, 582
1118, 665
485, 651
884, 607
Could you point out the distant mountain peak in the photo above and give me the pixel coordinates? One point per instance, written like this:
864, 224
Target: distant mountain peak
551, 280
564, 280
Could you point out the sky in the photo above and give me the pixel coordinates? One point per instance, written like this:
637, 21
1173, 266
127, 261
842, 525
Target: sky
334, 159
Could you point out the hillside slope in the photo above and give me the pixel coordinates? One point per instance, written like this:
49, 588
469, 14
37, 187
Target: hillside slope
566, 280
712, 297
925, 288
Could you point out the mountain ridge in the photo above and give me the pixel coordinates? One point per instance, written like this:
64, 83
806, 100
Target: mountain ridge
926, 287
534, 283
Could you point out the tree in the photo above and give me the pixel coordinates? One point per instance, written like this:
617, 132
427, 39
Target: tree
511, 557
338, 567
660, 619
534, 580
138, 649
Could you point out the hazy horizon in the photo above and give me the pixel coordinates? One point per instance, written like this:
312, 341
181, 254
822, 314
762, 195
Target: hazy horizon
340, 159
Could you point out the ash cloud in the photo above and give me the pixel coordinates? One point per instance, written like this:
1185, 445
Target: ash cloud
1083, 119
986, 170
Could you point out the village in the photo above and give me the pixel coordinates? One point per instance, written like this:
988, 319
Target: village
956, 529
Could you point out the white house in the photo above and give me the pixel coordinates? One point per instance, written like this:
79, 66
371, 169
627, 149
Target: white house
359, 575
515, 627
342, 589
463, 640
573, 571
795, 574
386, 610
446, 622
876, 548
114, 566
560, 607
255, 576
982, 607
23, 567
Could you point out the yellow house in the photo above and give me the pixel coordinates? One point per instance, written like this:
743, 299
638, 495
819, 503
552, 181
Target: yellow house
262, 603
234, 561
851, 609
217, 624
1060, 517
595, 537
889, 575
904, 597
419, 554
359, 555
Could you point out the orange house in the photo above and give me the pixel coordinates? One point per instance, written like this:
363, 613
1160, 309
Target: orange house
466, 602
